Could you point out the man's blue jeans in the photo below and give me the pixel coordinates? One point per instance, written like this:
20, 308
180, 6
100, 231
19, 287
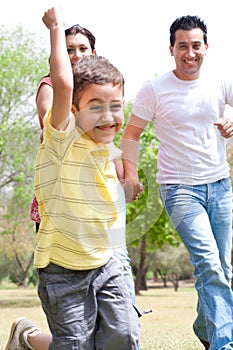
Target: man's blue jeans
202, 215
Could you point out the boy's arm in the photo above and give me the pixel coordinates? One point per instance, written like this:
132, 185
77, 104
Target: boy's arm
119, 168
129, 196
60, 69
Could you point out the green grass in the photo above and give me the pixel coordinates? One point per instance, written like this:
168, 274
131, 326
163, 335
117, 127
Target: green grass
168, 327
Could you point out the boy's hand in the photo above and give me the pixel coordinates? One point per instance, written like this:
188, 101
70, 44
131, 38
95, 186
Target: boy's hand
53, 17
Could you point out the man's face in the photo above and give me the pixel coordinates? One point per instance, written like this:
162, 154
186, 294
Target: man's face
189, 50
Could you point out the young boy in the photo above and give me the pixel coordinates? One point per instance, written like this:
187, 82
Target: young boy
82, 206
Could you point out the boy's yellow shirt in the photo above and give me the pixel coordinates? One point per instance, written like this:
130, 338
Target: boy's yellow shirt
75, 181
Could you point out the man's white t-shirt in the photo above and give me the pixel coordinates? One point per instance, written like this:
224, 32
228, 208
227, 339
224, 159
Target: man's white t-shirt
191, 150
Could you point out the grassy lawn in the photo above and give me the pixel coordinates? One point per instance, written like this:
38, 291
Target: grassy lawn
168, 327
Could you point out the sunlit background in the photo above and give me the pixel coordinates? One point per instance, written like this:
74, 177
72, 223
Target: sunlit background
133, 34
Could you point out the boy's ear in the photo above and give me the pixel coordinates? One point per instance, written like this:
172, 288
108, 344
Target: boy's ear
74, 109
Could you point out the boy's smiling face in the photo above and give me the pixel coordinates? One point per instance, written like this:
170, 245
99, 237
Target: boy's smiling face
100, 113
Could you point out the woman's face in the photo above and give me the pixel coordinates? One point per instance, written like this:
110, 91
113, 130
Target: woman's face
78, 46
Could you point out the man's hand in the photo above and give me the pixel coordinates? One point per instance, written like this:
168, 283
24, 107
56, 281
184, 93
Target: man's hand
225, 126
132, 191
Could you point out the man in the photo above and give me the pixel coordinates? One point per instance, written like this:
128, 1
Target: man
186, 106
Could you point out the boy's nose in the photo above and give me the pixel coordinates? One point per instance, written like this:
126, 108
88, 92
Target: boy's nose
107, 115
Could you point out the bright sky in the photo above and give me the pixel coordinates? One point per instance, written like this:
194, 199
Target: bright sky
132, 34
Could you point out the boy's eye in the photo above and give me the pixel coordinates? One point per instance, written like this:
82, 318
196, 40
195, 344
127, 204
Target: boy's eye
115, 107
96, 108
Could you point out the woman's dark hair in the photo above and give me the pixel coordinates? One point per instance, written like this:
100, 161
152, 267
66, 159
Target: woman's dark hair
75, 29
187, 23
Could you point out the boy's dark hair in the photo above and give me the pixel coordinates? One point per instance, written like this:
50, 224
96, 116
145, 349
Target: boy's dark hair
94, 69
75, 29
187, 23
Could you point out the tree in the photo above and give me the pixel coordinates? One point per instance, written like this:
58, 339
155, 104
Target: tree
141, 270
172, 264
23, 62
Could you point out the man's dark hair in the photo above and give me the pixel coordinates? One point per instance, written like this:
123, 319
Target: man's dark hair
187, 23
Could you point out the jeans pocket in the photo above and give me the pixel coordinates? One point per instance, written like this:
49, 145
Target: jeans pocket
226, 183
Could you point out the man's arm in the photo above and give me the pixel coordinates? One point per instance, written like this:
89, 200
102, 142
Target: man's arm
60, 69
130, 148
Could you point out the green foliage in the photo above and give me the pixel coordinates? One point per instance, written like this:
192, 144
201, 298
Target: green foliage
170, 261
23, 62
146, 215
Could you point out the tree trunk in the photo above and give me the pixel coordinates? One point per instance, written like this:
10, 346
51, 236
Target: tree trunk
175, 281
141, 271
24, 278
